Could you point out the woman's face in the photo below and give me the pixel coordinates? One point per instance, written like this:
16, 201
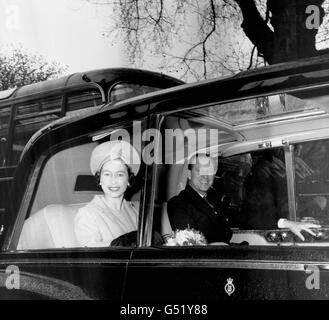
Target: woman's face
114, 178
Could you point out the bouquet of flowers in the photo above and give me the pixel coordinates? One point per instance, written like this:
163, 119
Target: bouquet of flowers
186, 237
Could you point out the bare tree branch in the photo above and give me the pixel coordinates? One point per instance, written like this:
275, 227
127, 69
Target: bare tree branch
19, 67
206, 38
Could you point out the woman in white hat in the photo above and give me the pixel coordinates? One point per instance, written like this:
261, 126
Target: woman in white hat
109, 216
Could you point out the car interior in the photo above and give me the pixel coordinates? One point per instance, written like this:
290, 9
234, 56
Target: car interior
250, 178
51, 220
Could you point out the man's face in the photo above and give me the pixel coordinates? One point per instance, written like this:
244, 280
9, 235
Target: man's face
202, 174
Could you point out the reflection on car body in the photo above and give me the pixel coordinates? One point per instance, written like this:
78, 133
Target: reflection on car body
271, 143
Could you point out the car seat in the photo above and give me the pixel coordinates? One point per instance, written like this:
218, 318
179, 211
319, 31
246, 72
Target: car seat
50, 227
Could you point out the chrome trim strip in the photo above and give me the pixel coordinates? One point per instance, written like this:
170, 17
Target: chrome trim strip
290, 172
179, 263
226, 264
62, 261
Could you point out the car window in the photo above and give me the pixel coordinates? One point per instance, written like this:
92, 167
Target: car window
181, 138
253, 189
83, 99
125, 90
312, 181
256, 188
30, 117
66, 187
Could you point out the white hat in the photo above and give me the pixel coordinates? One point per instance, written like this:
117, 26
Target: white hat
112, 150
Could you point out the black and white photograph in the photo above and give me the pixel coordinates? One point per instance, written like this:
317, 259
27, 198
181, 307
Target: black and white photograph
166, 156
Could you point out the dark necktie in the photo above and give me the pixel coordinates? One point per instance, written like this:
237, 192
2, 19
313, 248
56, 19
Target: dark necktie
209, 204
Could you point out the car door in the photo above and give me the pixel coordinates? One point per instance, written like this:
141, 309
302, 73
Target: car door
262, 261
214, 274
63, 274
40, 257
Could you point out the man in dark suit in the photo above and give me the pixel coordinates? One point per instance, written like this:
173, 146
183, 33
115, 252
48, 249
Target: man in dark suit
198, 206
266, 198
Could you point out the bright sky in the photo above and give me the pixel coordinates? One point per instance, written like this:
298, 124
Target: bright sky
71, 32
68, 31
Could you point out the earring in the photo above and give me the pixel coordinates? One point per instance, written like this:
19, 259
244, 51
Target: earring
128, 184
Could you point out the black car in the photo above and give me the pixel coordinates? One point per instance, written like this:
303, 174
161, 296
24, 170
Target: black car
269, 130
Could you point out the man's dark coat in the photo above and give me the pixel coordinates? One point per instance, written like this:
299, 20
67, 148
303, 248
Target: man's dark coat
189, 209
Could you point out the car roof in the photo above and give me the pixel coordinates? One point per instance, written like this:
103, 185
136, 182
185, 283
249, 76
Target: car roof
248, 84
279, 72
